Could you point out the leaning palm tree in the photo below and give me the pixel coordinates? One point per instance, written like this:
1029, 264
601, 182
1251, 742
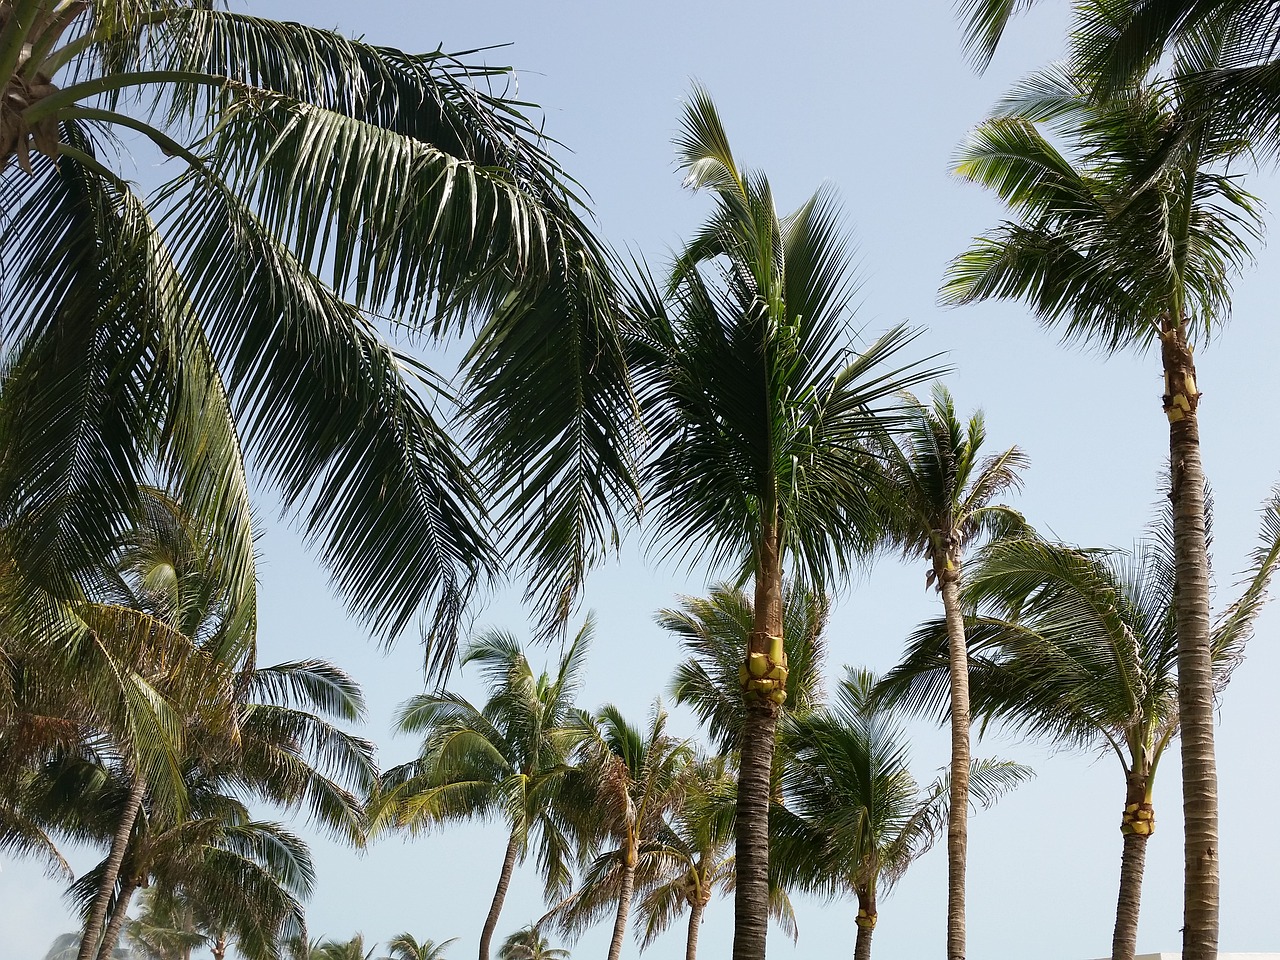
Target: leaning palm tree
759, 406
626, 784
506, 759
528, 943
405, 947
203, 320
1129, 241
854, 818
1080, 647
938, 496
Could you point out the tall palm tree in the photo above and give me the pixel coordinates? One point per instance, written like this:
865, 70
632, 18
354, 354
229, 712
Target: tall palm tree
855, 819
405, 947
1129, 241
758, 407
508, 759
203, 321
626, 784
1080, 647
939, 496
528, 943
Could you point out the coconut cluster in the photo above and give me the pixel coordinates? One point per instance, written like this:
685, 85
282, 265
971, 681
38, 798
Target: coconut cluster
1139, 818
764, 675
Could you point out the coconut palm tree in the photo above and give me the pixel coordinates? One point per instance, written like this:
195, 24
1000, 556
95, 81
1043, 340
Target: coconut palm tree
508, 758
626, 783
758, 408
1080, 647
716, 630
405, 947
165, 927
203, 321
528, 943
352, 949
855, 819
1127, 242
939, 496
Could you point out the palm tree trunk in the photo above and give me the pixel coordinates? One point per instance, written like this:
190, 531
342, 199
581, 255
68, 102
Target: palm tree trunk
1195, 668
866, 925
696, 908
118, 915
500, 894
1137, 825
219, 948
624, 908
111, 870
958, 808
755, 771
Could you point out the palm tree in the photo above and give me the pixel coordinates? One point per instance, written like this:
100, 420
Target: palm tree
175, 327
938, 497
528, 943
716, 632
1080, 647
352, 949
758, 410
1129, 245
855, 819
508, 758
165, 928
626, 784
405, 947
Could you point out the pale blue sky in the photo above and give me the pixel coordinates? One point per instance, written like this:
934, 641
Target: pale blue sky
874, 98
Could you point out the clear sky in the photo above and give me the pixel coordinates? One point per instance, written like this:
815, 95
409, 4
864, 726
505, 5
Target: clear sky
873, 98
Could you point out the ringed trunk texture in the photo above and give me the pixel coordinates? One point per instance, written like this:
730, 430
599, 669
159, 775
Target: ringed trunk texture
116, 923
1133, 859
696, 907
958, 809
755, 772
624, 908
111, 871
1195, 668
499, 895
866, 926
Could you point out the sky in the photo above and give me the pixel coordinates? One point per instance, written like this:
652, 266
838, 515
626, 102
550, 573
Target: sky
874, 99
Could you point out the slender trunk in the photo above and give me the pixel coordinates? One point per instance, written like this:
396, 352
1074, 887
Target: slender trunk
1137, 826
111, 870
1195, 667
624, 907
764, 681
219, 948
866, 925
500, 894
958, 808
696, 907
116, 923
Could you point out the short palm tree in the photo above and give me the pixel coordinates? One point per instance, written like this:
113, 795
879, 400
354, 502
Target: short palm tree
405, 947
715, 632
855, 819
506, 759
528, 943
353, 949
1129, 240
939, 496
627, 782
759, 407
1080, 647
